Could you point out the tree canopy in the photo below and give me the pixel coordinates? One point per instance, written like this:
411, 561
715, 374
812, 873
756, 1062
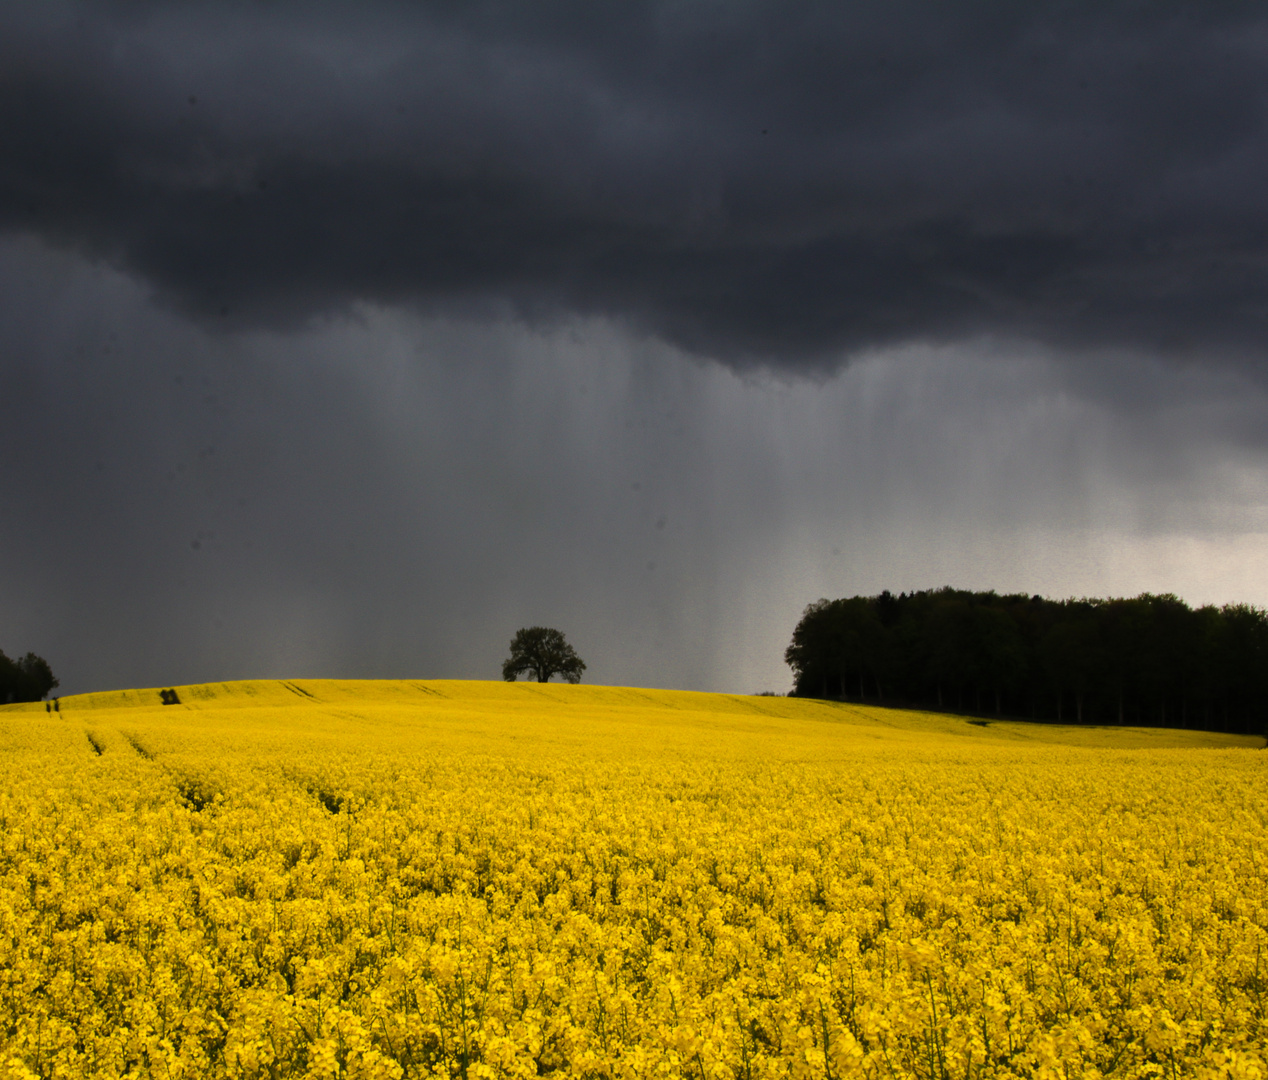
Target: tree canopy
1148, 660
27, 679
542, 652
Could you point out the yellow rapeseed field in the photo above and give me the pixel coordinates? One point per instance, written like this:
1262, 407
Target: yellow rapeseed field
459, 879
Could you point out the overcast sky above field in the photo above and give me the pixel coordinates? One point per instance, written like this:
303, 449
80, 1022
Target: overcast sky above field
345, 339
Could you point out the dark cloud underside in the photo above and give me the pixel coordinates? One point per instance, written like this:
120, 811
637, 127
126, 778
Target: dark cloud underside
775, 183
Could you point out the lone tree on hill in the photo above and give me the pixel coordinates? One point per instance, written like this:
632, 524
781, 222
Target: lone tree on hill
542, 652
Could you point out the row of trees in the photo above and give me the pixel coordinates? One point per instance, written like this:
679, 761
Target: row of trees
27, 679
1151, 660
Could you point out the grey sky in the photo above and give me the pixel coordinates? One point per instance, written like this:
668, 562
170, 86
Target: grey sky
346, 339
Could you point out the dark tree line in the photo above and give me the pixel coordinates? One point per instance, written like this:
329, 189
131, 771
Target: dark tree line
1151, 660
27, 679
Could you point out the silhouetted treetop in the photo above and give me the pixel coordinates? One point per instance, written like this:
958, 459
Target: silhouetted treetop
542, 652
1146, 660
27, 679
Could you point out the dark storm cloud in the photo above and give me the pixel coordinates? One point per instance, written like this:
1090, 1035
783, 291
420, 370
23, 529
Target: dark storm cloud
756, 182
393, 496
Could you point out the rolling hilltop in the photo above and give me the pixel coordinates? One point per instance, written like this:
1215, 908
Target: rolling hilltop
522, 709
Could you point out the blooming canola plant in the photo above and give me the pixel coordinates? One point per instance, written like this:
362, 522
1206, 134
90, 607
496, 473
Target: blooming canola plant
462, 879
